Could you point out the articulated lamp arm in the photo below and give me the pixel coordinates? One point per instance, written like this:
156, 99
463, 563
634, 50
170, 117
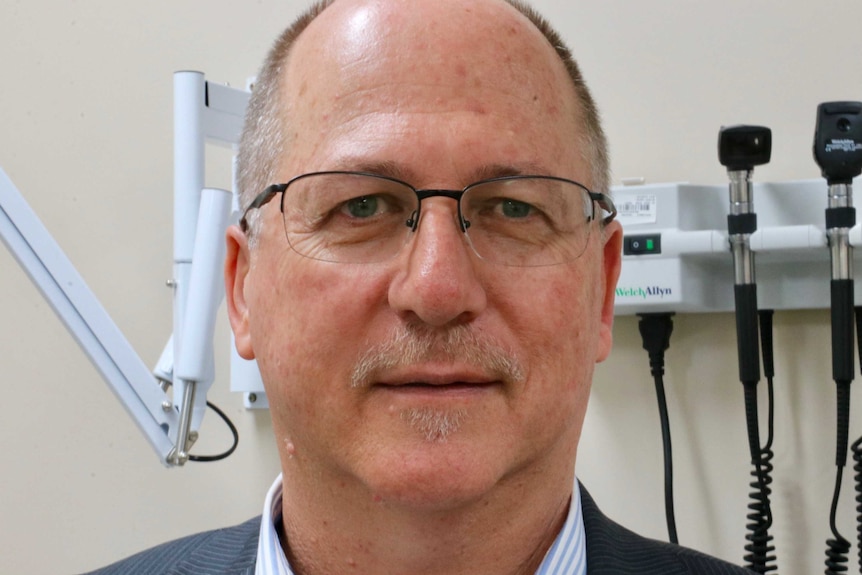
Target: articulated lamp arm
85, 318
202, 112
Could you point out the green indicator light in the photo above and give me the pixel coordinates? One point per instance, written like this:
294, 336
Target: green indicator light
650, 246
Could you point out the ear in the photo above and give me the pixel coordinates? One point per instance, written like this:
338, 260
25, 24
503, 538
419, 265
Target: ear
611, 262
237, 264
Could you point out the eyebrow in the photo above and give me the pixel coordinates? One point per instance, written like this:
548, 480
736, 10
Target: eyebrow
489, 171
384, 168
400, 172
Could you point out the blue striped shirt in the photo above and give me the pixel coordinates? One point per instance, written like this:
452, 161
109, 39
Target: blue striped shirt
567, 556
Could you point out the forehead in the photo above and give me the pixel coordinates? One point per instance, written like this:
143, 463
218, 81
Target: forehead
371, 71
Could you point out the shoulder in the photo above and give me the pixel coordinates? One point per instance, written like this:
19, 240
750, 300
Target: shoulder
231, 550
611, 548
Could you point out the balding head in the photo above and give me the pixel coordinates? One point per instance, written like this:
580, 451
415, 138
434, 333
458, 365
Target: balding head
455, 46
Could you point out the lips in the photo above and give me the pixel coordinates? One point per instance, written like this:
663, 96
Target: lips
437, 387
431, 378
454, 385
450, 384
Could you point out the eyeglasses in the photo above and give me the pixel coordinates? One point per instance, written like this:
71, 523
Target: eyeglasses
359, 217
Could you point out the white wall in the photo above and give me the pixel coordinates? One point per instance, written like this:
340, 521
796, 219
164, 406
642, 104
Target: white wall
85, 133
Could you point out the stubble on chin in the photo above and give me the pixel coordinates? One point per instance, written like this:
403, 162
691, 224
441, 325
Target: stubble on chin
435, 425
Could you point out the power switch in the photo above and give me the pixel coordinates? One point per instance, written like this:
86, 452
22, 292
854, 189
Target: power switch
642, 245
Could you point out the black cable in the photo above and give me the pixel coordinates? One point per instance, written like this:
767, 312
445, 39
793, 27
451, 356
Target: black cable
655, 330
766, 345
759, 550
842, 312
856, 452
838, 548
857, 458
224, 455
767, 351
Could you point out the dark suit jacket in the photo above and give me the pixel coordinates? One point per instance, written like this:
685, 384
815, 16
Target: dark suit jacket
611, 550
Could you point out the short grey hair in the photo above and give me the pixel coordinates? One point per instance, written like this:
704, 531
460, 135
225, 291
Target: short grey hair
263, 142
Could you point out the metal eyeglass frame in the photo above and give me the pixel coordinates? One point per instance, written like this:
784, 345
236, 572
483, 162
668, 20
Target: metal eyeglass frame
603, 200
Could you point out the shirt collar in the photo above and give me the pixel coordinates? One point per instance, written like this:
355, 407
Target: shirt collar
567, 555
270, 556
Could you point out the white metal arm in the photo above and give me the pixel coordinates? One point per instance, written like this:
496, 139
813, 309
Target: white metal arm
86, 319
202, 112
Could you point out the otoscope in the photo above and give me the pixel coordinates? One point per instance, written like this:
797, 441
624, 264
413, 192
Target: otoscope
740, 149
838, 152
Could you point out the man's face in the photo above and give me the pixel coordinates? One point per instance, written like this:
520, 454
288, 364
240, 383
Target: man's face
440, 95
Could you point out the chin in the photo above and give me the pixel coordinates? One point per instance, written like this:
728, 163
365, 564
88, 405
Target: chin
439, 469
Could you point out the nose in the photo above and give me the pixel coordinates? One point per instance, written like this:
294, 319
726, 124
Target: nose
437, 281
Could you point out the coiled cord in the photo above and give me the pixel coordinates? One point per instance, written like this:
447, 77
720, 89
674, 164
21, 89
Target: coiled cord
760, 550
856, 449
837, 548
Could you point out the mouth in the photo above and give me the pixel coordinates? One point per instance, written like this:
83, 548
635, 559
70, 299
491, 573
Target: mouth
439, 389
439, 386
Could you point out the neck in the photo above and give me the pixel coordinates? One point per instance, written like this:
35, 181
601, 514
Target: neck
505, 532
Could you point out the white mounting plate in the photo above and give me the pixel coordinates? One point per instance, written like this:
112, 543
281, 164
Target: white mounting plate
694, 271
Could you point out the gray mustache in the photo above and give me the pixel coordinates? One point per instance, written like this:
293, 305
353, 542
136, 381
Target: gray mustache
409, 344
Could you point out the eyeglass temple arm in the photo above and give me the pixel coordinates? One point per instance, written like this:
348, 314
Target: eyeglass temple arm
261, 200
607, 204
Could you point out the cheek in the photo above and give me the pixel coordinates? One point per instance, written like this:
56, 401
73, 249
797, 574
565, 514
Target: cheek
310, 321
572, 350
557, 338
559, 324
